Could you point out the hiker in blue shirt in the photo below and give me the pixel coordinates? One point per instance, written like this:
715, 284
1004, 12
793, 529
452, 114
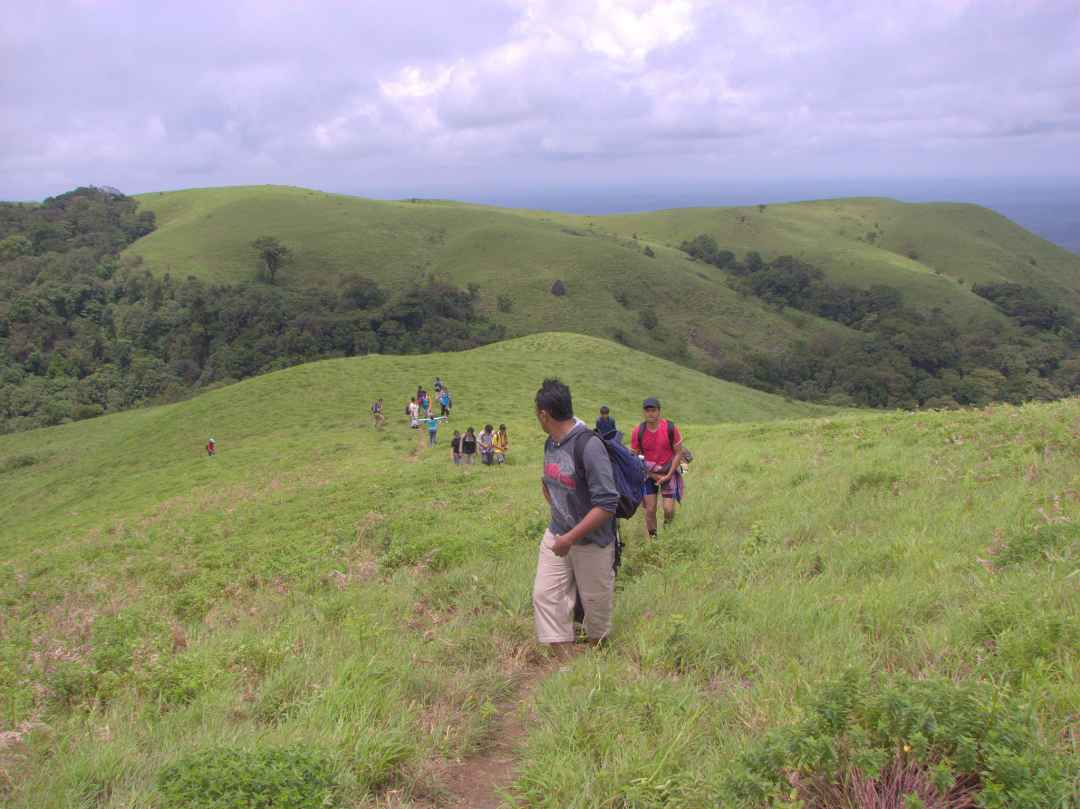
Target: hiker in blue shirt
605, 425
432, 423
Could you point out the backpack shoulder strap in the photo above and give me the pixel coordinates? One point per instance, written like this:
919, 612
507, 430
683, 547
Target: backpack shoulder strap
579, 452
640, 438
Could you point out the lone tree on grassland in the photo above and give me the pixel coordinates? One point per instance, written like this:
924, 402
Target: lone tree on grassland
273, 255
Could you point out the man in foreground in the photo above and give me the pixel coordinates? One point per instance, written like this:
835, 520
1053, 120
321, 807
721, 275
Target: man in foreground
577, 553
660, 442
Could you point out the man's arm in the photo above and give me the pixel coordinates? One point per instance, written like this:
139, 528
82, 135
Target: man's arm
674, 464
596, 518
547, 496
603, 497
676, 460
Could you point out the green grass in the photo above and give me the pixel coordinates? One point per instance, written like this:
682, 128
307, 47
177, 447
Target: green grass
932, 253
322, 587
207, 233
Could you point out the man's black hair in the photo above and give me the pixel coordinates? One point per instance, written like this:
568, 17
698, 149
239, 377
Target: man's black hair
604, 410
554, 397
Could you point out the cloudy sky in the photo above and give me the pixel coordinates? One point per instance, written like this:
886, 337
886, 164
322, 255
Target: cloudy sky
496, 97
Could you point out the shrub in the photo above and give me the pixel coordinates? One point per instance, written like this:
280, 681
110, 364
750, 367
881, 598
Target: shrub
871, 481
1038, 543
86, 411
558, 289
650, 252
70, 684
934, 742
10, 464
226, 778
648, 319
180, 680
361, 292
505, 303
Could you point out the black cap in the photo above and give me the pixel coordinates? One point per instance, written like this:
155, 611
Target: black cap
652, 401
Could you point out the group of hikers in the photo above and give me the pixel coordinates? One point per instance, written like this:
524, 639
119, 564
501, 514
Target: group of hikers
589, 480
421, 407
491, 445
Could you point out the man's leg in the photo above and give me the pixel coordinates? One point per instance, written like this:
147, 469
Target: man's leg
553, 595
669, 511
594, 574
649, 502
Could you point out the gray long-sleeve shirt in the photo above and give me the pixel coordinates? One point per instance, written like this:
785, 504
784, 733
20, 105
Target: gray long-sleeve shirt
574, 493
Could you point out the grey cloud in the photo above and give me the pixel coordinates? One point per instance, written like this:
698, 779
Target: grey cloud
410, 94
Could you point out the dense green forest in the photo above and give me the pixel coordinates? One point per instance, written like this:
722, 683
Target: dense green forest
902, 357
84, 331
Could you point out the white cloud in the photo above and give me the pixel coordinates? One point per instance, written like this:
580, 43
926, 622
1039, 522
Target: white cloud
415, 93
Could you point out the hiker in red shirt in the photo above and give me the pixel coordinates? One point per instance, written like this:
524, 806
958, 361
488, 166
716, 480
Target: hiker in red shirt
211, 448
660, 443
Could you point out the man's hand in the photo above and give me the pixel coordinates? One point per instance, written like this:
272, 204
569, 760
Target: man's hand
560, 547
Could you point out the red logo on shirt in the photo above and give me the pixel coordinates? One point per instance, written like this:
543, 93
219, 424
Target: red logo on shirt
552, 471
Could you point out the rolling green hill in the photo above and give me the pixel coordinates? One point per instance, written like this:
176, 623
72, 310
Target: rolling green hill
916, 247
207, 233
290, 408
174, 628
931, 252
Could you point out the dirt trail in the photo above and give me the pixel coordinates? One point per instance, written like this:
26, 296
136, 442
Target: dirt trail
475, 782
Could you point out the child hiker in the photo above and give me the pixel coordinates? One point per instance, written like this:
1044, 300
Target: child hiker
211, 448
432, 424
468, 447
487, 445
501, 444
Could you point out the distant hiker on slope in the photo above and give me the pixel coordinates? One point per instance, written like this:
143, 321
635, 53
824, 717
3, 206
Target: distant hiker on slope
468, 447
487, 445
211, 448
660, 443
455, 448
605, 425
432, 424
501, 444
414, 413
577, 552
377, 414
444, 402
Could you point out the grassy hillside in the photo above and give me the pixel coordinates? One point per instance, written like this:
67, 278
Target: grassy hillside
323, 587
918, 248
207, 233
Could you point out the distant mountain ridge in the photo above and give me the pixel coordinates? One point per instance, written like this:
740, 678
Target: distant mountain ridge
626, 279
860, 302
